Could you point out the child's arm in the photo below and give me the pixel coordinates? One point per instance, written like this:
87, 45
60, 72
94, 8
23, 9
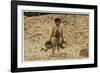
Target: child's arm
52, 34
62, 35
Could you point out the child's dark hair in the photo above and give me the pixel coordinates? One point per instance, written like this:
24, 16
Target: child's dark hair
57, 19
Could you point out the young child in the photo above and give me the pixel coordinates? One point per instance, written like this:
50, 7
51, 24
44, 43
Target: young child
57, 36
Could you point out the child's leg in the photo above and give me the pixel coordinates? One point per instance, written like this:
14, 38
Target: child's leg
53, 40
59, 42
53, 51
58, 47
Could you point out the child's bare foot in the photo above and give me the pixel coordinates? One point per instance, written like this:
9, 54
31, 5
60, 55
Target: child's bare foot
51, 55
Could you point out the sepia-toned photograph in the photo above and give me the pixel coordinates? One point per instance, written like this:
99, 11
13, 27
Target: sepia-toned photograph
55, 36
52, 36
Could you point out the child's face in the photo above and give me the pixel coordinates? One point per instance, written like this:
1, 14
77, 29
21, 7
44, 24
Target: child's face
58, 23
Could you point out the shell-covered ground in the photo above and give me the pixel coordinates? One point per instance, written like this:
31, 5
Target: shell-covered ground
37, 30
